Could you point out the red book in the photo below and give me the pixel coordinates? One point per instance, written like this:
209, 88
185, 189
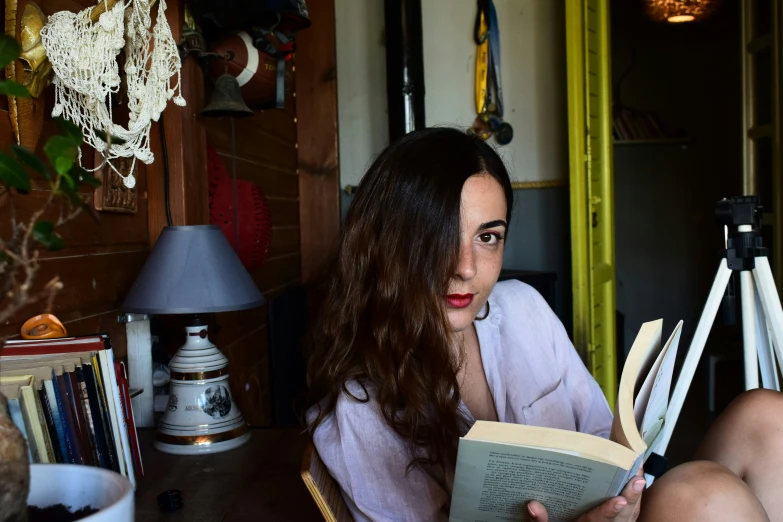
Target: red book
127, 407
91, 343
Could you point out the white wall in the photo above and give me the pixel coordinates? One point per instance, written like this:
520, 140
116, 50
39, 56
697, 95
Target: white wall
532, 43
362, 116
532, 68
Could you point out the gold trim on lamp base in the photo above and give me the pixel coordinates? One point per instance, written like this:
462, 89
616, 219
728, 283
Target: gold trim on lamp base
207, 443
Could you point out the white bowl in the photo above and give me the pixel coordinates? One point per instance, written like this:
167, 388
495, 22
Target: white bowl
77, 487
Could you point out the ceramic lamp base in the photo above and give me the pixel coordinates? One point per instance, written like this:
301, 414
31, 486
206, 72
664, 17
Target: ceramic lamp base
201, 416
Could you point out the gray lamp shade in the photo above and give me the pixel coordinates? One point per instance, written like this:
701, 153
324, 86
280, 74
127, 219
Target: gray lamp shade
192, 269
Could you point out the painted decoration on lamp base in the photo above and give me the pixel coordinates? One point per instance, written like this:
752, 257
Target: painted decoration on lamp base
201, 415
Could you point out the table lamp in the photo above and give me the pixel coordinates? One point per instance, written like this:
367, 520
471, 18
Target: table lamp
193, 270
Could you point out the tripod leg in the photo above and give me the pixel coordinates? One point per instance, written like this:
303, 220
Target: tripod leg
770, 300
692, 358
769, 375
749, 331
767, 368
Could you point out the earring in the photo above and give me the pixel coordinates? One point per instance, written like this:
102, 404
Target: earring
485, 315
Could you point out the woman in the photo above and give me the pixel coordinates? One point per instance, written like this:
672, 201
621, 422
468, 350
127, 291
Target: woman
416, 340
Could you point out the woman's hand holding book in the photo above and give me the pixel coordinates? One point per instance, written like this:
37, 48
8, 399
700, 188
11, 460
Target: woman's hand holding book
624, 508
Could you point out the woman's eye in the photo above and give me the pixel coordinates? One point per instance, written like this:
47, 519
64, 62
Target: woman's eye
489, 238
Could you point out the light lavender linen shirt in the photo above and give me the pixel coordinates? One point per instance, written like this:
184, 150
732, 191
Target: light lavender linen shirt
535, 376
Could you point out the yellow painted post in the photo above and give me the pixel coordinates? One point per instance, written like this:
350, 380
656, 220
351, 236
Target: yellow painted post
591, 183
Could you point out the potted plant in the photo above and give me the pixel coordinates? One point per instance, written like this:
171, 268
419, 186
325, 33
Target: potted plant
44, 484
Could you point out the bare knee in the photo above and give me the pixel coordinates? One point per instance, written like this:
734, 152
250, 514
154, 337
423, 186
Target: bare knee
757, 406
751, 424
701, 491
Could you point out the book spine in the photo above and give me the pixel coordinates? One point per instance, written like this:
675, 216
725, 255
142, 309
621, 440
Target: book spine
123, 428
98, 419
17, 417
104, 381
46, 409
32, 419
54, 408
88, 423
52, 347
78, 416
75, 455
106, 418
127, 406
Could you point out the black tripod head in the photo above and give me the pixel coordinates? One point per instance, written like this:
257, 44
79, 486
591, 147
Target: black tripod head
742, 246
741, 215
739, 210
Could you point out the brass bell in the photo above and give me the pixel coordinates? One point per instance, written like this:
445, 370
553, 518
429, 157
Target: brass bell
226, 100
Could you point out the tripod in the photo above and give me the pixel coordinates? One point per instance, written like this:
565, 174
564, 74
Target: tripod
743, 253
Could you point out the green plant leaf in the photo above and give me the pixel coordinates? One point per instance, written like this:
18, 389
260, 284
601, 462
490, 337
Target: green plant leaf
63, 165
12, 174
82, 176
69, 129
11, 88
105, 137
9, 49
62, 153
31, 160
43, 232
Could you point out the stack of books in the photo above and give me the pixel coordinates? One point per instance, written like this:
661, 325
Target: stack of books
631, 125
71, 401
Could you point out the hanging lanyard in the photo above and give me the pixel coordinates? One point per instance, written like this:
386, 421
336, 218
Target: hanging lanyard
494, 60
480, 35
489, 93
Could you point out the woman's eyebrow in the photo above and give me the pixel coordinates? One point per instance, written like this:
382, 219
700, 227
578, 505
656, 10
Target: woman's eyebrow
493, 224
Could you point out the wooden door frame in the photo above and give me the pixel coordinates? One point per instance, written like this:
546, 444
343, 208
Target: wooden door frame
316, 110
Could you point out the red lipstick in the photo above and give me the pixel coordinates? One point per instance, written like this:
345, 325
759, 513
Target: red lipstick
459, 300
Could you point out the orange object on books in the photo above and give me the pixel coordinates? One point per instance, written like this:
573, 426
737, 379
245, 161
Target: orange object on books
43, 326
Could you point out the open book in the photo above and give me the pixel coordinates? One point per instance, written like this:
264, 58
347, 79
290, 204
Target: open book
501, 466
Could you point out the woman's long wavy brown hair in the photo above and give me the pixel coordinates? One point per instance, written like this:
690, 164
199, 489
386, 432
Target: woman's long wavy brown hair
383, 323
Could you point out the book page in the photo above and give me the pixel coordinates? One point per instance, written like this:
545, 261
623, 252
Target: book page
641, 358
655, 402
494, 482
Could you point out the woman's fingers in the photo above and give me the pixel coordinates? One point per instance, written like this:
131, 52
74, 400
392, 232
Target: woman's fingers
606, 512
537, 511
624, 508
633, 494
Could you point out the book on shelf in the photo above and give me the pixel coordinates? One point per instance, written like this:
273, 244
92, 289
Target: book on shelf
69, 400
502, 466
633, 125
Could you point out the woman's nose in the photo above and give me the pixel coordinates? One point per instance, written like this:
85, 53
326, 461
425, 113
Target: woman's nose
466, 267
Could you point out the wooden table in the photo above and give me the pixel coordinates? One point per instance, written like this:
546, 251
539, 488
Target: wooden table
258, 481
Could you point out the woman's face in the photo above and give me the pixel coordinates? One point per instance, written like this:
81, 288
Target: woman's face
482, 234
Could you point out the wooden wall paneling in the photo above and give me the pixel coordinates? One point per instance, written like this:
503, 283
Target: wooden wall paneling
101, 259
186, 143
254, 144
249, 375
93, 283
266, 154
316, 110
284, 211
278, 272
279, 181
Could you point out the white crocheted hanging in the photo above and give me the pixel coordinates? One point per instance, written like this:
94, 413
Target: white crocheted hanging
84, 58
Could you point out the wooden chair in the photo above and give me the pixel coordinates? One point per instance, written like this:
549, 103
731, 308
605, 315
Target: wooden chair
323, 488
